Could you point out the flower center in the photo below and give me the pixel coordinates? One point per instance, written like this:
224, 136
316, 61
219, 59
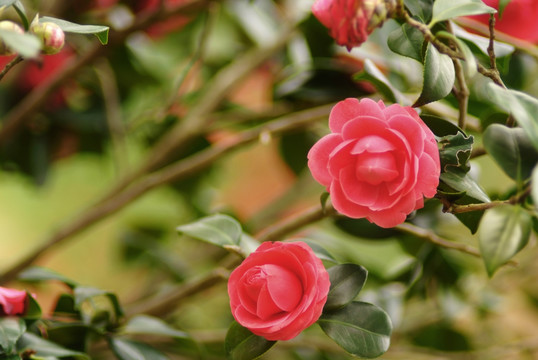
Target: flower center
375, 168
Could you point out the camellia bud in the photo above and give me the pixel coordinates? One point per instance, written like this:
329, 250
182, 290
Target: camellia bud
9, 26
51, 35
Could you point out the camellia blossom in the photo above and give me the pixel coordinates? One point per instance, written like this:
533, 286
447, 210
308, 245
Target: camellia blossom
351, 21
279, 290
518, 19
378, 163
12, 302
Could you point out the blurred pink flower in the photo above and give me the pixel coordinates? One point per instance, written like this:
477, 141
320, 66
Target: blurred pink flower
519, 19
12, 302
378, 162
351, 21
279, 290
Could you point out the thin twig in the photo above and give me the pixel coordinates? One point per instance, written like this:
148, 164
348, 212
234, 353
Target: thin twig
174, 172
433, 238
10, 65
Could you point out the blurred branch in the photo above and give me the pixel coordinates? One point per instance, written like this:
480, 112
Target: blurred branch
174, 172
10, 65
435, 239
293, 223
16, 118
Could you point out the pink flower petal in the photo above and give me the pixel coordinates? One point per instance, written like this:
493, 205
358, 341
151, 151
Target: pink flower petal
343, 112
358, 192
318, 158
284, 287
343, 205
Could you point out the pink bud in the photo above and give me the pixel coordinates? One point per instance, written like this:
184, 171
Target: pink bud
51, 35
9, 26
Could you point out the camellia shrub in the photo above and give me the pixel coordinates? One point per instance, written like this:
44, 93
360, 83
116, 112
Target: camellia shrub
218, 179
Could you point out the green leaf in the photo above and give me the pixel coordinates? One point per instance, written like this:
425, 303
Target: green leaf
439, 76
319, 250
469, 63
27, 45
145, 324
421, 9
45, 348
33, 310
373, 75
134, 350
7, 3
448, 9
407, 41
98, 30
217, 229
360, 328
463, 182
242, 344
455, 152
523, 108
347, 281
502, 6
504, 231
40, 274
512, 150
105, 307
439, 126
11, 329
19, 8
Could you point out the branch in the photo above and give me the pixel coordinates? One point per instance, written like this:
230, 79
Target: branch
10, 65
291, 224
174, 172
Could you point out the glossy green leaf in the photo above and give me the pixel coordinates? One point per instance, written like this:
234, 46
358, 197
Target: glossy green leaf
11, 329
448, 9
503, 232
523, 108
347, 281
242, 344
455, 152
463, 182
27, 45
40, 274
360, 328
217, 229
71, 335
439, 76
98, 30
145, 324
407, 41
512, 150
421, 9
319, 250
439, 126
373, 75
45, 348
134, 350
469, 62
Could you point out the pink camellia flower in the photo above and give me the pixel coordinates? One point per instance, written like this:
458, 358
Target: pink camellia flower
279, 290
12, 302
351, 21
518, 19
378, 163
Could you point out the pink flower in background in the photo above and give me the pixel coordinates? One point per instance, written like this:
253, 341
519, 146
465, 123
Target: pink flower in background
279, 290
351, 21
378, 162
12, 302
519, 19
